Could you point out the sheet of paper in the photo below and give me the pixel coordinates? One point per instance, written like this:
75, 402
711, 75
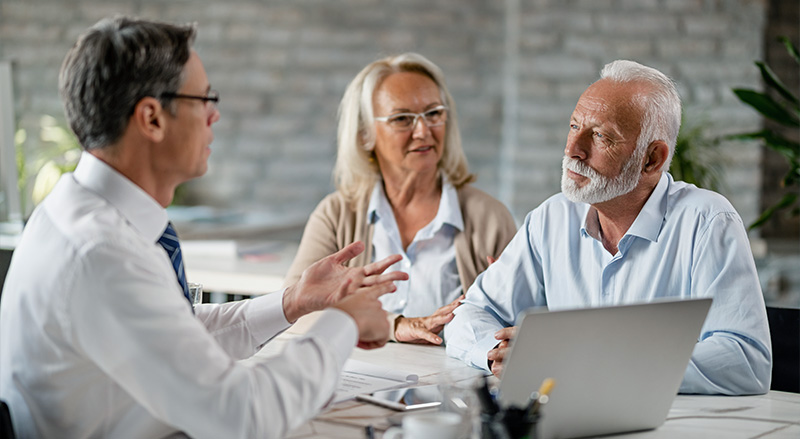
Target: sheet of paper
359, 377
364, 368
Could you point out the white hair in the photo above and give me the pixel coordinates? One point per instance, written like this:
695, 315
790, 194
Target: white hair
661, 105
356, 171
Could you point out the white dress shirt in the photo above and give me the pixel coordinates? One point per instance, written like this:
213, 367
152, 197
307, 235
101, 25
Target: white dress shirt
685, 243
429, 260
98, 340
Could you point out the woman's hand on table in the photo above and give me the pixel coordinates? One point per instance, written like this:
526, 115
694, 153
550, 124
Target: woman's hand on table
424, 330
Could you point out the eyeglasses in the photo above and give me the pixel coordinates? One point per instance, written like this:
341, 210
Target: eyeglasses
407, 121
212, 96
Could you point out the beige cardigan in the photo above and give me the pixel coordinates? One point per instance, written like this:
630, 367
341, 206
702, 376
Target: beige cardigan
488, 227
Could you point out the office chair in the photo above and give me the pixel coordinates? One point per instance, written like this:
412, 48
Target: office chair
6, 429
784, 328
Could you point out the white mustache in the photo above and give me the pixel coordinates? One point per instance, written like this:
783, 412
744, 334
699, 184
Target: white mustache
579, 167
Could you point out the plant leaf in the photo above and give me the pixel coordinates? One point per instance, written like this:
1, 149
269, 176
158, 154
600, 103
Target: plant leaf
767, 106
781, 144
785, 202
790, 48
792, 177
774, 82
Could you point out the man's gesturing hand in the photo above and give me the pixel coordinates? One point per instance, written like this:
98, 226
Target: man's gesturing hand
365, 308
328, 281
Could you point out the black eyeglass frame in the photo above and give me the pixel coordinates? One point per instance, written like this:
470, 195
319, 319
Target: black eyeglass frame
212, 96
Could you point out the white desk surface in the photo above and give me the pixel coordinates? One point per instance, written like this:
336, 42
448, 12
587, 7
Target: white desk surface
215, 265
774, 415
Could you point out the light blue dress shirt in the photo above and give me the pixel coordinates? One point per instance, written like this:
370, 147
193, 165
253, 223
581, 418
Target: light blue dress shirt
430, 259
686, 242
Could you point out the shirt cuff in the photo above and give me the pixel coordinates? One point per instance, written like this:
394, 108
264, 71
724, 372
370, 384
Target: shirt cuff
392, 318
338, 330
477, 355
265, 317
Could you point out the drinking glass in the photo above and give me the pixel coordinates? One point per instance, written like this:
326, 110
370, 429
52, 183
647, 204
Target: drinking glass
195, 293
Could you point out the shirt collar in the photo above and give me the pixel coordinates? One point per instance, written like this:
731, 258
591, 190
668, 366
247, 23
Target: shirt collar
449, 209
133, 203
647, 224
376, 199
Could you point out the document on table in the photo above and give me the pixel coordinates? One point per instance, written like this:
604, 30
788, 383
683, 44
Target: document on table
359, 377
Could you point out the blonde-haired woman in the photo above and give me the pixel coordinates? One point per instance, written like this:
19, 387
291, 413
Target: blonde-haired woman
403, 187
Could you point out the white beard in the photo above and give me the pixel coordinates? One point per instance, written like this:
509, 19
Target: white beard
600, 188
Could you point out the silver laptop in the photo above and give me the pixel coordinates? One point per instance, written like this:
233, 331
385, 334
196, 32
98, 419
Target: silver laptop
617, 369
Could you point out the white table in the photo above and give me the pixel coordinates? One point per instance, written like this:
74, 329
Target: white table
774, 415
217, 266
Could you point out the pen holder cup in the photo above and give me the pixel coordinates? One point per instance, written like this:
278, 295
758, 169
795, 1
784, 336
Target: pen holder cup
510, 423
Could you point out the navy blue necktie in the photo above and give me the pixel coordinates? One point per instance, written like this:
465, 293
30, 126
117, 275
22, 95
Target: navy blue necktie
169, 240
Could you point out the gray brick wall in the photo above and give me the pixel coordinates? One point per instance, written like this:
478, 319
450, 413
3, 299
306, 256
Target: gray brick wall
282, 66
706, 46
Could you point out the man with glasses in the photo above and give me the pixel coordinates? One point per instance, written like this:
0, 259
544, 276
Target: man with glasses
97, 338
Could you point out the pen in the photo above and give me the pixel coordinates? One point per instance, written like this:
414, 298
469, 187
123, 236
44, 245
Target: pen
370, 432
543, 395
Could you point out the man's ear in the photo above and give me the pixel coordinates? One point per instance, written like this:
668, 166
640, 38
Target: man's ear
149, 118
657, 153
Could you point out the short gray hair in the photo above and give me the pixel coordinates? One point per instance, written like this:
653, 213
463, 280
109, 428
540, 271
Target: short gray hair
356, 171
661, 106
112, 66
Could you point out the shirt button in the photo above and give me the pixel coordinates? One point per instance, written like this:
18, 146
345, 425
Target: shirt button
402, 303
406, 264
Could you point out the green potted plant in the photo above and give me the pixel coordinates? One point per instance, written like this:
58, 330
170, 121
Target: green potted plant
784, 110
697, 159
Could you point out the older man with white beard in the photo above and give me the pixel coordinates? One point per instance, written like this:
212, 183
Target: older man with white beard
623, 231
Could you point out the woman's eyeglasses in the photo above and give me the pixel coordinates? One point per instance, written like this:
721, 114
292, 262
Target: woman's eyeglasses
407, 121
